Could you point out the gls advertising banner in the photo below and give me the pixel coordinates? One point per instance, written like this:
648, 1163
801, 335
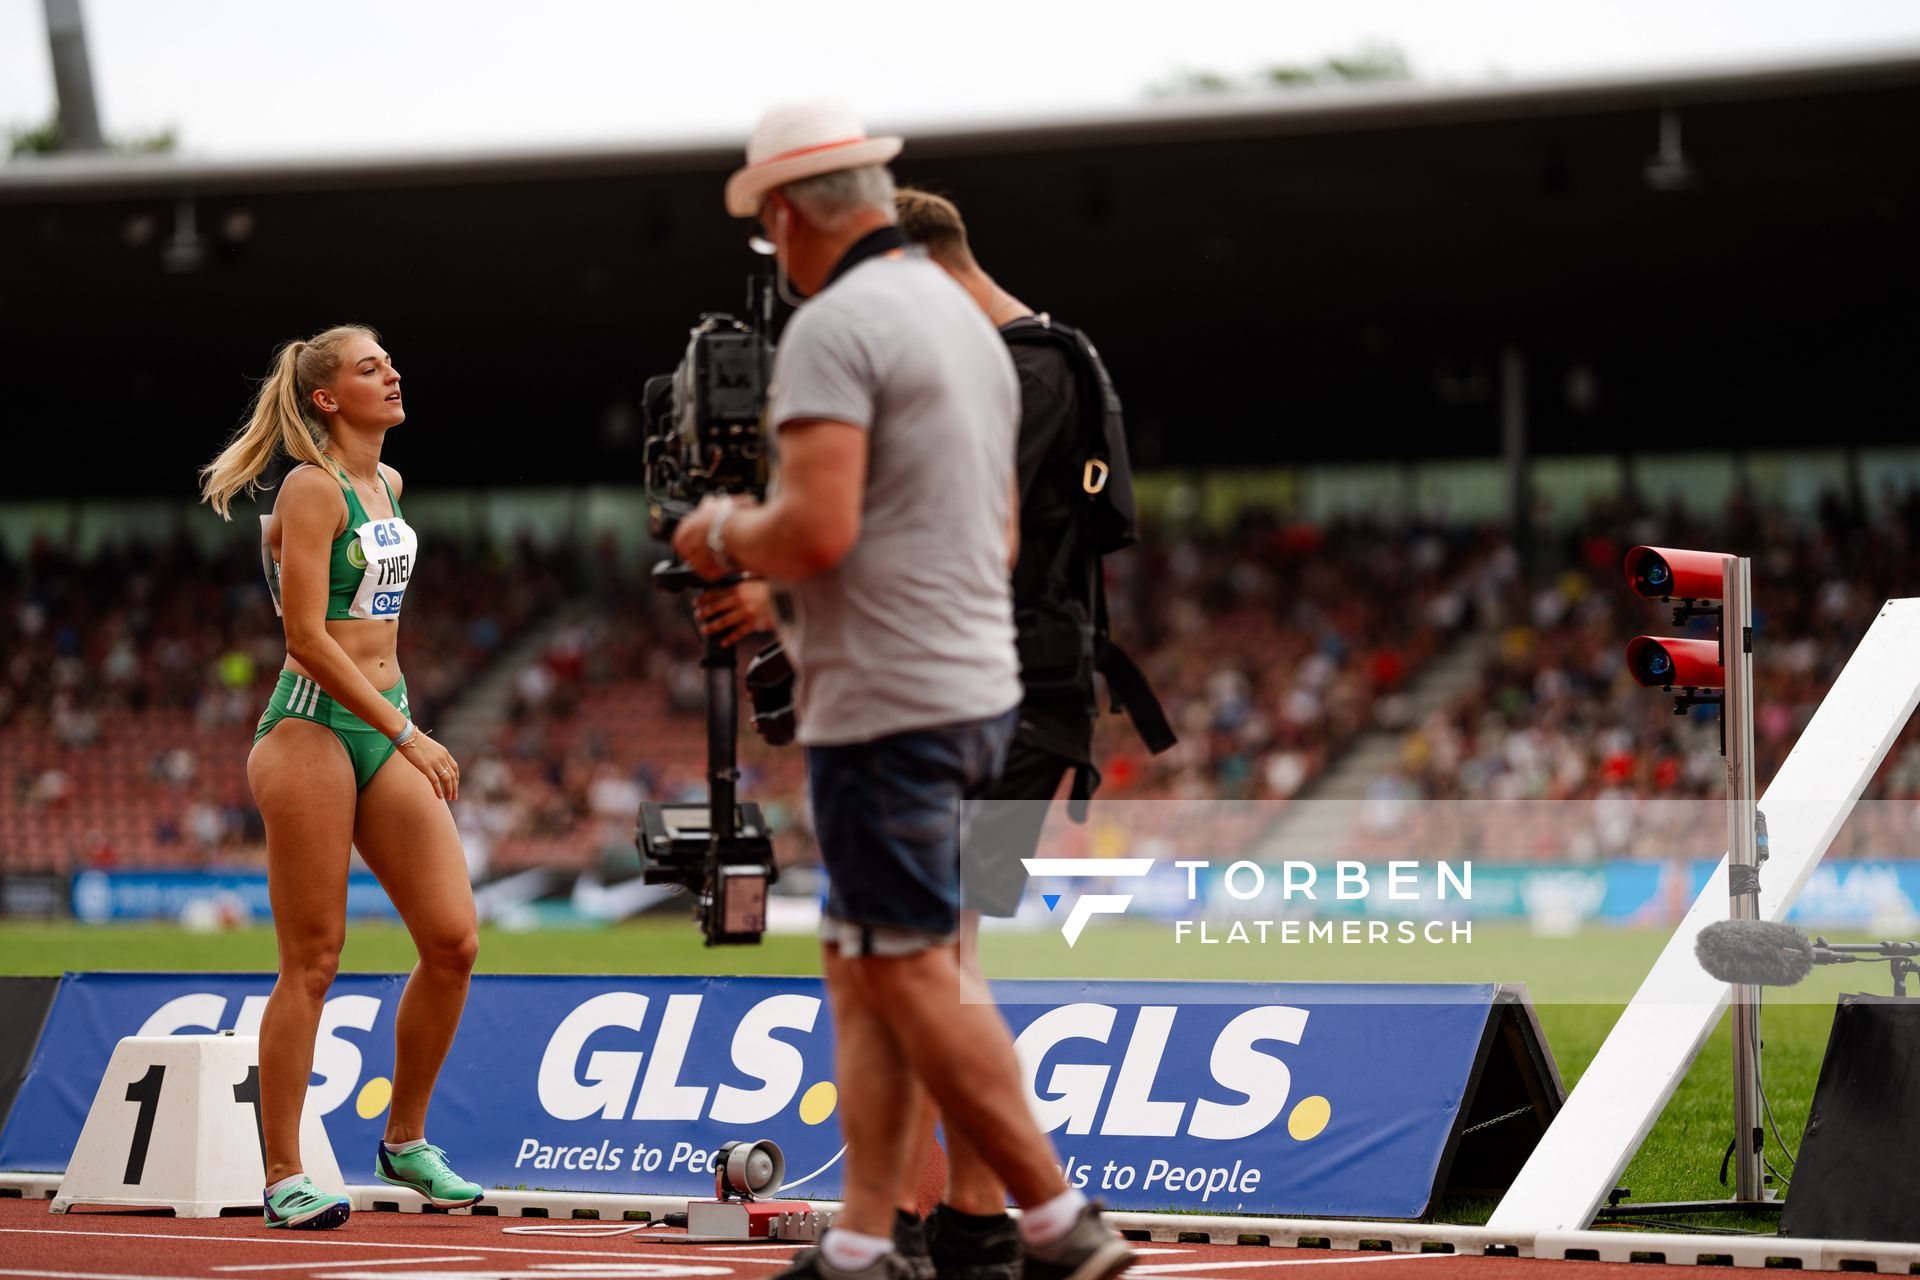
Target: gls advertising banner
164, 894
1282, 1098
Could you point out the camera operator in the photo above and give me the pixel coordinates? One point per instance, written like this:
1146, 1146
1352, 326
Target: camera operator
889, 536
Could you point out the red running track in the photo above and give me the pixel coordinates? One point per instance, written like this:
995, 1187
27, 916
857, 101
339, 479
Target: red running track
123, 1244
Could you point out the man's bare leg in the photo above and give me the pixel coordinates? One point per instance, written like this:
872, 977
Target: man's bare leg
906, 1196
960, 1049
879, 1094
972, 1186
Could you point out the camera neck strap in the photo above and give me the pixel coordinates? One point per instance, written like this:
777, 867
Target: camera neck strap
880, 240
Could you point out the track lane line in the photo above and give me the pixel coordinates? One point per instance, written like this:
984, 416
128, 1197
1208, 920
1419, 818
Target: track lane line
1190, 1269
344, 1262
606, 1271
680, 1256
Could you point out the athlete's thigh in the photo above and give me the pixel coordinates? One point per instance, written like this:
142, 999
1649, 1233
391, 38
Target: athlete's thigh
303, 784
406, 836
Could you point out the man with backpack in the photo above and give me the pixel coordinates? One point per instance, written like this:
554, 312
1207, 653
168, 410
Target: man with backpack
1076, 505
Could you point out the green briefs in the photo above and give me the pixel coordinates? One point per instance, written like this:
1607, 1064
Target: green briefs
299, 697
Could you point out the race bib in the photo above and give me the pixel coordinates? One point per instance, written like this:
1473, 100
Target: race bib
269, 565
383, 551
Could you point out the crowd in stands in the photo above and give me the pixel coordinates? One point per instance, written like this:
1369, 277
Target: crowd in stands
133, 676
1271, 646
1555, 717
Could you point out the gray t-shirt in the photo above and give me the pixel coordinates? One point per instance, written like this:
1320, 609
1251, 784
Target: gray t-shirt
914, 627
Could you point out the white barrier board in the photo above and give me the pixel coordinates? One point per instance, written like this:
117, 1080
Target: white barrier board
1582, 1155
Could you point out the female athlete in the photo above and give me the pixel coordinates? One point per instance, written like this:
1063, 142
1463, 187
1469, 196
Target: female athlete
337, 764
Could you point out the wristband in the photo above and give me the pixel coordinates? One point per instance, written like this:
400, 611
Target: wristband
716, 538
405, 736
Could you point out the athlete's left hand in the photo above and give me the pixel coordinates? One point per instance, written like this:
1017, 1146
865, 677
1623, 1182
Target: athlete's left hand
436, 762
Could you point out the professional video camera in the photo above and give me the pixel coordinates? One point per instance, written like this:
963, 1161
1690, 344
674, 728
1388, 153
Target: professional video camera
705, 435
704, 430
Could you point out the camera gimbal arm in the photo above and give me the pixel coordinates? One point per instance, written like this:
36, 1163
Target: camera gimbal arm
720, 663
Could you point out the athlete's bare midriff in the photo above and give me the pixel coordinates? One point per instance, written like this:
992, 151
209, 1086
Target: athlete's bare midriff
371, 644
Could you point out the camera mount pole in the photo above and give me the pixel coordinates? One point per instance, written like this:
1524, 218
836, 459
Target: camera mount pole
760, 302
1743, 869
723, 769
721, 662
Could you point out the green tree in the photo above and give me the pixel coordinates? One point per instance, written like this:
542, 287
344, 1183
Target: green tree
1373, 62
1377, 62
43, 139
36, 140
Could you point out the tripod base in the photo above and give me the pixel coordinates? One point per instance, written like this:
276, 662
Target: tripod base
1770, 1207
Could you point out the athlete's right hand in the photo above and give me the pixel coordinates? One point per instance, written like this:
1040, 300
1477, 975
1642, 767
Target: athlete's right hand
434, 760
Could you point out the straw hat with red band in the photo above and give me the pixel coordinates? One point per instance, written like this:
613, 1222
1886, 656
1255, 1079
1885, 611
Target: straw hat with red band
798, 140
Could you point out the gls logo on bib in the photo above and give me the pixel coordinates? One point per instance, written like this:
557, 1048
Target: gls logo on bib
383, 551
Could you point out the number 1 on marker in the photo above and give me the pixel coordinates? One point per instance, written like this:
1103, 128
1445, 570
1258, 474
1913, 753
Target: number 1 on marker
146, 1092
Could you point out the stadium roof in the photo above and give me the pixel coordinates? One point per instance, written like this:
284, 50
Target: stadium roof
1309, 109
1711, 260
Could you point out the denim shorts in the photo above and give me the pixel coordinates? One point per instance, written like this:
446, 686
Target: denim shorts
890, 815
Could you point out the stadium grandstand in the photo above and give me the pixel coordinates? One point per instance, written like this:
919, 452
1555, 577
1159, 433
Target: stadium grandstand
1289, 652
1388, 490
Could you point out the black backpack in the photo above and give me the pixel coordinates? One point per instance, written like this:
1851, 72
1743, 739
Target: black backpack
1110, 521
1063, 639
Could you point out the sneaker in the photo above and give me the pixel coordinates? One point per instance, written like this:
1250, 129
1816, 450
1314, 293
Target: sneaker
808, 1264
301, 1206
910, 1242
1089, 1251
425, 1170
965, 1247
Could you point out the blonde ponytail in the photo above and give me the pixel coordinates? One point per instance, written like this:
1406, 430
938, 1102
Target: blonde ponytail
282, 420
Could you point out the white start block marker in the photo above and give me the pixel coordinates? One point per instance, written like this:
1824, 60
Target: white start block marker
176, 1124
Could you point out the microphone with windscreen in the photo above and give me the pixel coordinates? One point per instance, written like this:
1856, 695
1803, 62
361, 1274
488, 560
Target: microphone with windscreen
1754, 953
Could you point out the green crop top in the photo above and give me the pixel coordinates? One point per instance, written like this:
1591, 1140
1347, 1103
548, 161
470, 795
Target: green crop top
371, 564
